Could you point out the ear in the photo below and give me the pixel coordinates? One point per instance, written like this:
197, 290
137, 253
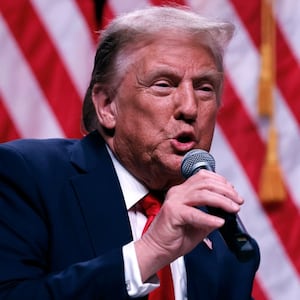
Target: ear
104, 107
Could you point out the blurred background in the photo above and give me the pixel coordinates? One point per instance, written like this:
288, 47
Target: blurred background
46, 55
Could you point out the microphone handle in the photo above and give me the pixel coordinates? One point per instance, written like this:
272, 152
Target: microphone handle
233, 231
234, 234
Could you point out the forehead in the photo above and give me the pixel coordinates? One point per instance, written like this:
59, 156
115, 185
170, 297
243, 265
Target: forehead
173, 49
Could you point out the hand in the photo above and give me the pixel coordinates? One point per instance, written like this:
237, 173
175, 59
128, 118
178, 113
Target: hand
180, 226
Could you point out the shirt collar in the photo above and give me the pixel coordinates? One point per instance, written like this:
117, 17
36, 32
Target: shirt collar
132, 189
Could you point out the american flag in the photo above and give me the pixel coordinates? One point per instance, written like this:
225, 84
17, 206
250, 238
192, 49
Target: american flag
46, 56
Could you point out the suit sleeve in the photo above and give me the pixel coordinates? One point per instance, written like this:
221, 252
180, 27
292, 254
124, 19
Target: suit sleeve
24, 244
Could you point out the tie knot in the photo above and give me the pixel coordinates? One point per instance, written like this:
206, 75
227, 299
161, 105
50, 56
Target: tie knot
151, 205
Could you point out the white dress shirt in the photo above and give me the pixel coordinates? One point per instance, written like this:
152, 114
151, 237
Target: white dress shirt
133, 191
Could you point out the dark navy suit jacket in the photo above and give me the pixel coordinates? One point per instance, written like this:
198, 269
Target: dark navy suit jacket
63, 223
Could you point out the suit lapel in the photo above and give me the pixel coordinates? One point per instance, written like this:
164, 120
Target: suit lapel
99, 196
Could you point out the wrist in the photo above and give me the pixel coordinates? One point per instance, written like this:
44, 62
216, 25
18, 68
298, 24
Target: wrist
150, 257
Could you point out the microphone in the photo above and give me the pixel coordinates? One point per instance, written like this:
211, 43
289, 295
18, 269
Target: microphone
233, 230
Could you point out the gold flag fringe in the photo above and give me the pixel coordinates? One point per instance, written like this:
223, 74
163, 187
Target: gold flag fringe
271, 187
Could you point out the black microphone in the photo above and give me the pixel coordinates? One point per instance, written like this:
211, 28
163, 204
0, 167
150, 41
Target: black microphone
233, 230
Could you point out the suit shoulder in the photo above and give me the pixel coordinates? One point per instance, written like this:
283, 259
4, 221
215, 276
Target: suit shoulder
37, 151
38, 146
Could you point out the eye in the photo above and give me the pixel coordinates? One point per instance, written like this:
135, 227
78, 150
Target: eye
162, 84
206, 87
162, 87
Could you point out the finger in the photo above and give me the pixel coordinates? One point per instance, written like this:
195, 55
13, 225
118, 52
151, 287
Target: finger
199, 219
218, 184
209, 198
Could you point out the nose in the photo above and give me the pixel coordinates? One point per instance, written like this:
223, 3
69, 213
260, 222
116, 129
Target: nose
186, 104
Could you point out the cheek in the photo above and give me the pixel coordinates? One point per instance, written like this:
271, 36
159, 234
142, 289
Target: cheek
133, 128
206, 126
207, 114
143, 119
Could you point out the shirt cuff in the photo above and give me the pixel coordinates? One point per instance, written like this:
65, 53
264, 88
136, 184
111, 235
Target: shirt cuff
135, 286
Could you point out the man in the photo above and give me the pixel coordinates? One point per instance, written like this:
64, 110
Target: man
71, 216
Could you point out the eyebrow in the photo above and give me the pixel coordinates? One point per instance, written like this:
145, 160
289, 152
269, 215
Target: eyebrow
169, 72
209, 75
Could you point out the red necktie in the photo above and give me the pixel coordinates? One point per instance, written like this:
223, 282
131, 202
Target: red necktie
165, 291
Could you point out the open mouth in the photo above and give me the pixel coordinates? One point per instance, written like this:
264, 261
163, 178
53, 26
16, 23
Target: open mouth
184, 142
185, 138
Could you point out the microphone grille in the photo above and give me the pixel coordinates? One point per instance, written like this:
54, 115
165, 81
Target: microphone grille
197, 159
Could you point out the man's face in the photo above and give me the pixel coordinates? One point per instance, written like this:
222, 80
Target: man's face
165, 106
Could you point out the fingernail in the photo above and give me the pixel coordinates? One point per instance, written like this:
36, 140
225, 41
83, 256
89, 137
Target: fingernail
235, 205
220, 221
